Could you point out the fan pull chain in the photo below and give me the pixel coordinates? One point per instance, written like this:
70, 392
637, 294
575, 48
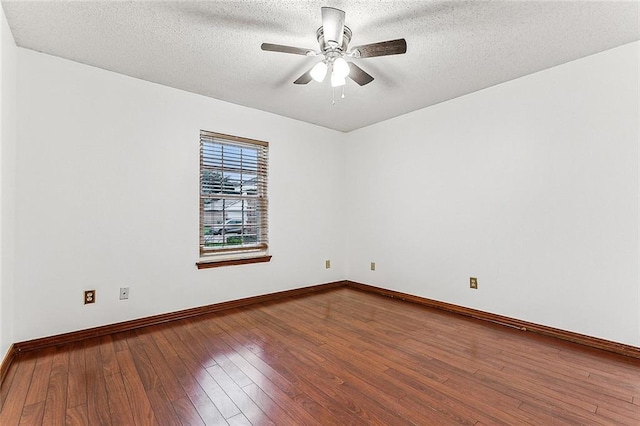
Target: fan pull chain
333, 95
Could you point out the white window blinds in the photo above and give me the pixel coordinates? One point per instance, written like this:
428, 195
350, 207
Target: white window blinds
233, 194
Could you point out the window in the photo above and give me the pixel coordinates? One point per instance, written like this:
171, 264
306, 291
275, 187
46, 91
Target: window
233, 196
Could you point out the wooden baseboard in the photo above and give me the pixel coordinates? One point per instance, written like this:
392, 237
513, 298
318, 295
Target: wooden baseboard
75, 336
570, 336
35, 344
6, 362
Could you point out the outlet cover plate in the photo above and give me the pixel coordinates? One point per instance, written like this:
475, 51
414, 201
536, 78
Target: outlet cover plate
89, 296
473, 283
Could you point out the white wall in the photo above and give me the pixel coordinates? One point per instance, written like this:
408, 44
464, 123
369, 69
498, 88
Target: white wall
530, 186
107, 196
8, 68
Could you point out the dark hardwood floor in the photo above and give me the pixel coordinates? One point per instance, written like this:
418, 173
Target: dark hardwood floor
332, 358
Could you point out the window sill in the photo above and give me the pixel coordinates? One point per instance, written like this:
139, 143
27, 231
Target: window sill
211, 263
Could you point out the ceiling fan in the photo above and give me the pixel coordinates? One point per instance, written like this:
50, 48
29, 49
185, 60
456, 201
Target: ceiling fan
334, 37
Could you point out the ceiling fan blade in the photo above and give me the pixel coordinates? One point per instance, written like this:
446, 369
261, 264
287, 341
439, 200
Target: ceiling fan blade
287, 49
304, 78
359, 75
383, 48
333, 26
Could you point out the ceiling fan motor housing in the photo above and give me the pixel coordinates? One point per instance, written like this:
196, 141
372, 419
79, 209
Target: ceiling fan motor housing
333, 52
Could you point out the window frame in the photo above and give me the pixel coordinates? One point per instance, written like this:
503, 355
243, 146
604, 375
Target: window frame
246, 252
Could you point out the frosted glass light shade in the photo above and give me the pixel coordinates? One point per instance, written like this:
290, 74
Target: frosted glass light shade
319, 71
341, 68
337, 81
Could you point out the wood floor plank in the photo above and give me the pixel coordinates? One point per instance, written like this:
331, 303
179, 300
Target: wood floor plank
97, 400
625, 389
195, 358
192, 340
273, 411
17, 395
182, 365
77, 382
145, 370
245, 404
186, 412
342, 356
108, 356
198, 397
218, 352
140, 406
163, 409
33, 414
118, 400
55, 407
6, 383
120, 342
453, 402
533, 394
38, 388
536, 361
549, 391
60, 361
630, 418
170, 384
77, 416
623, 409
272, 384
592, 360
551, 414
239, 420
471, 386
161, 341
220, 399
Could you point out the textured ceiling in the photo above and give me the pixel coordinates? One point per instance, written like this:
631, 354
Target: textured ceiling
213, 48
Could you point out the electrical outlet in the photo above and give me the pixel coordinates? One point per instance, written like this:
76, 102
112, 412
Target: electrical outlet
473, 283
89, 296
373, 266
124, 293
327, 264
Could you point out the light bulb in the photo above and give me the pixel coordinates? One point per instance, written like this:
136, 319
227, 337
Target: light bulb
341, 68
319, 71
337, 81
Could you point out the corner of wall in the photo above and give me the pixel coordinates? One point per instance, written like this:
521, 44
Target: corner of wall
8, 125
638, 170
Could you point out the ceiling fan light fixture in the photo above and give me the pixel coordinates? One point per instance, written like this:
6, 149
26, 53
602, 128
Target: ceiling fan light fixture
340, 68
319, 71
337, 81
